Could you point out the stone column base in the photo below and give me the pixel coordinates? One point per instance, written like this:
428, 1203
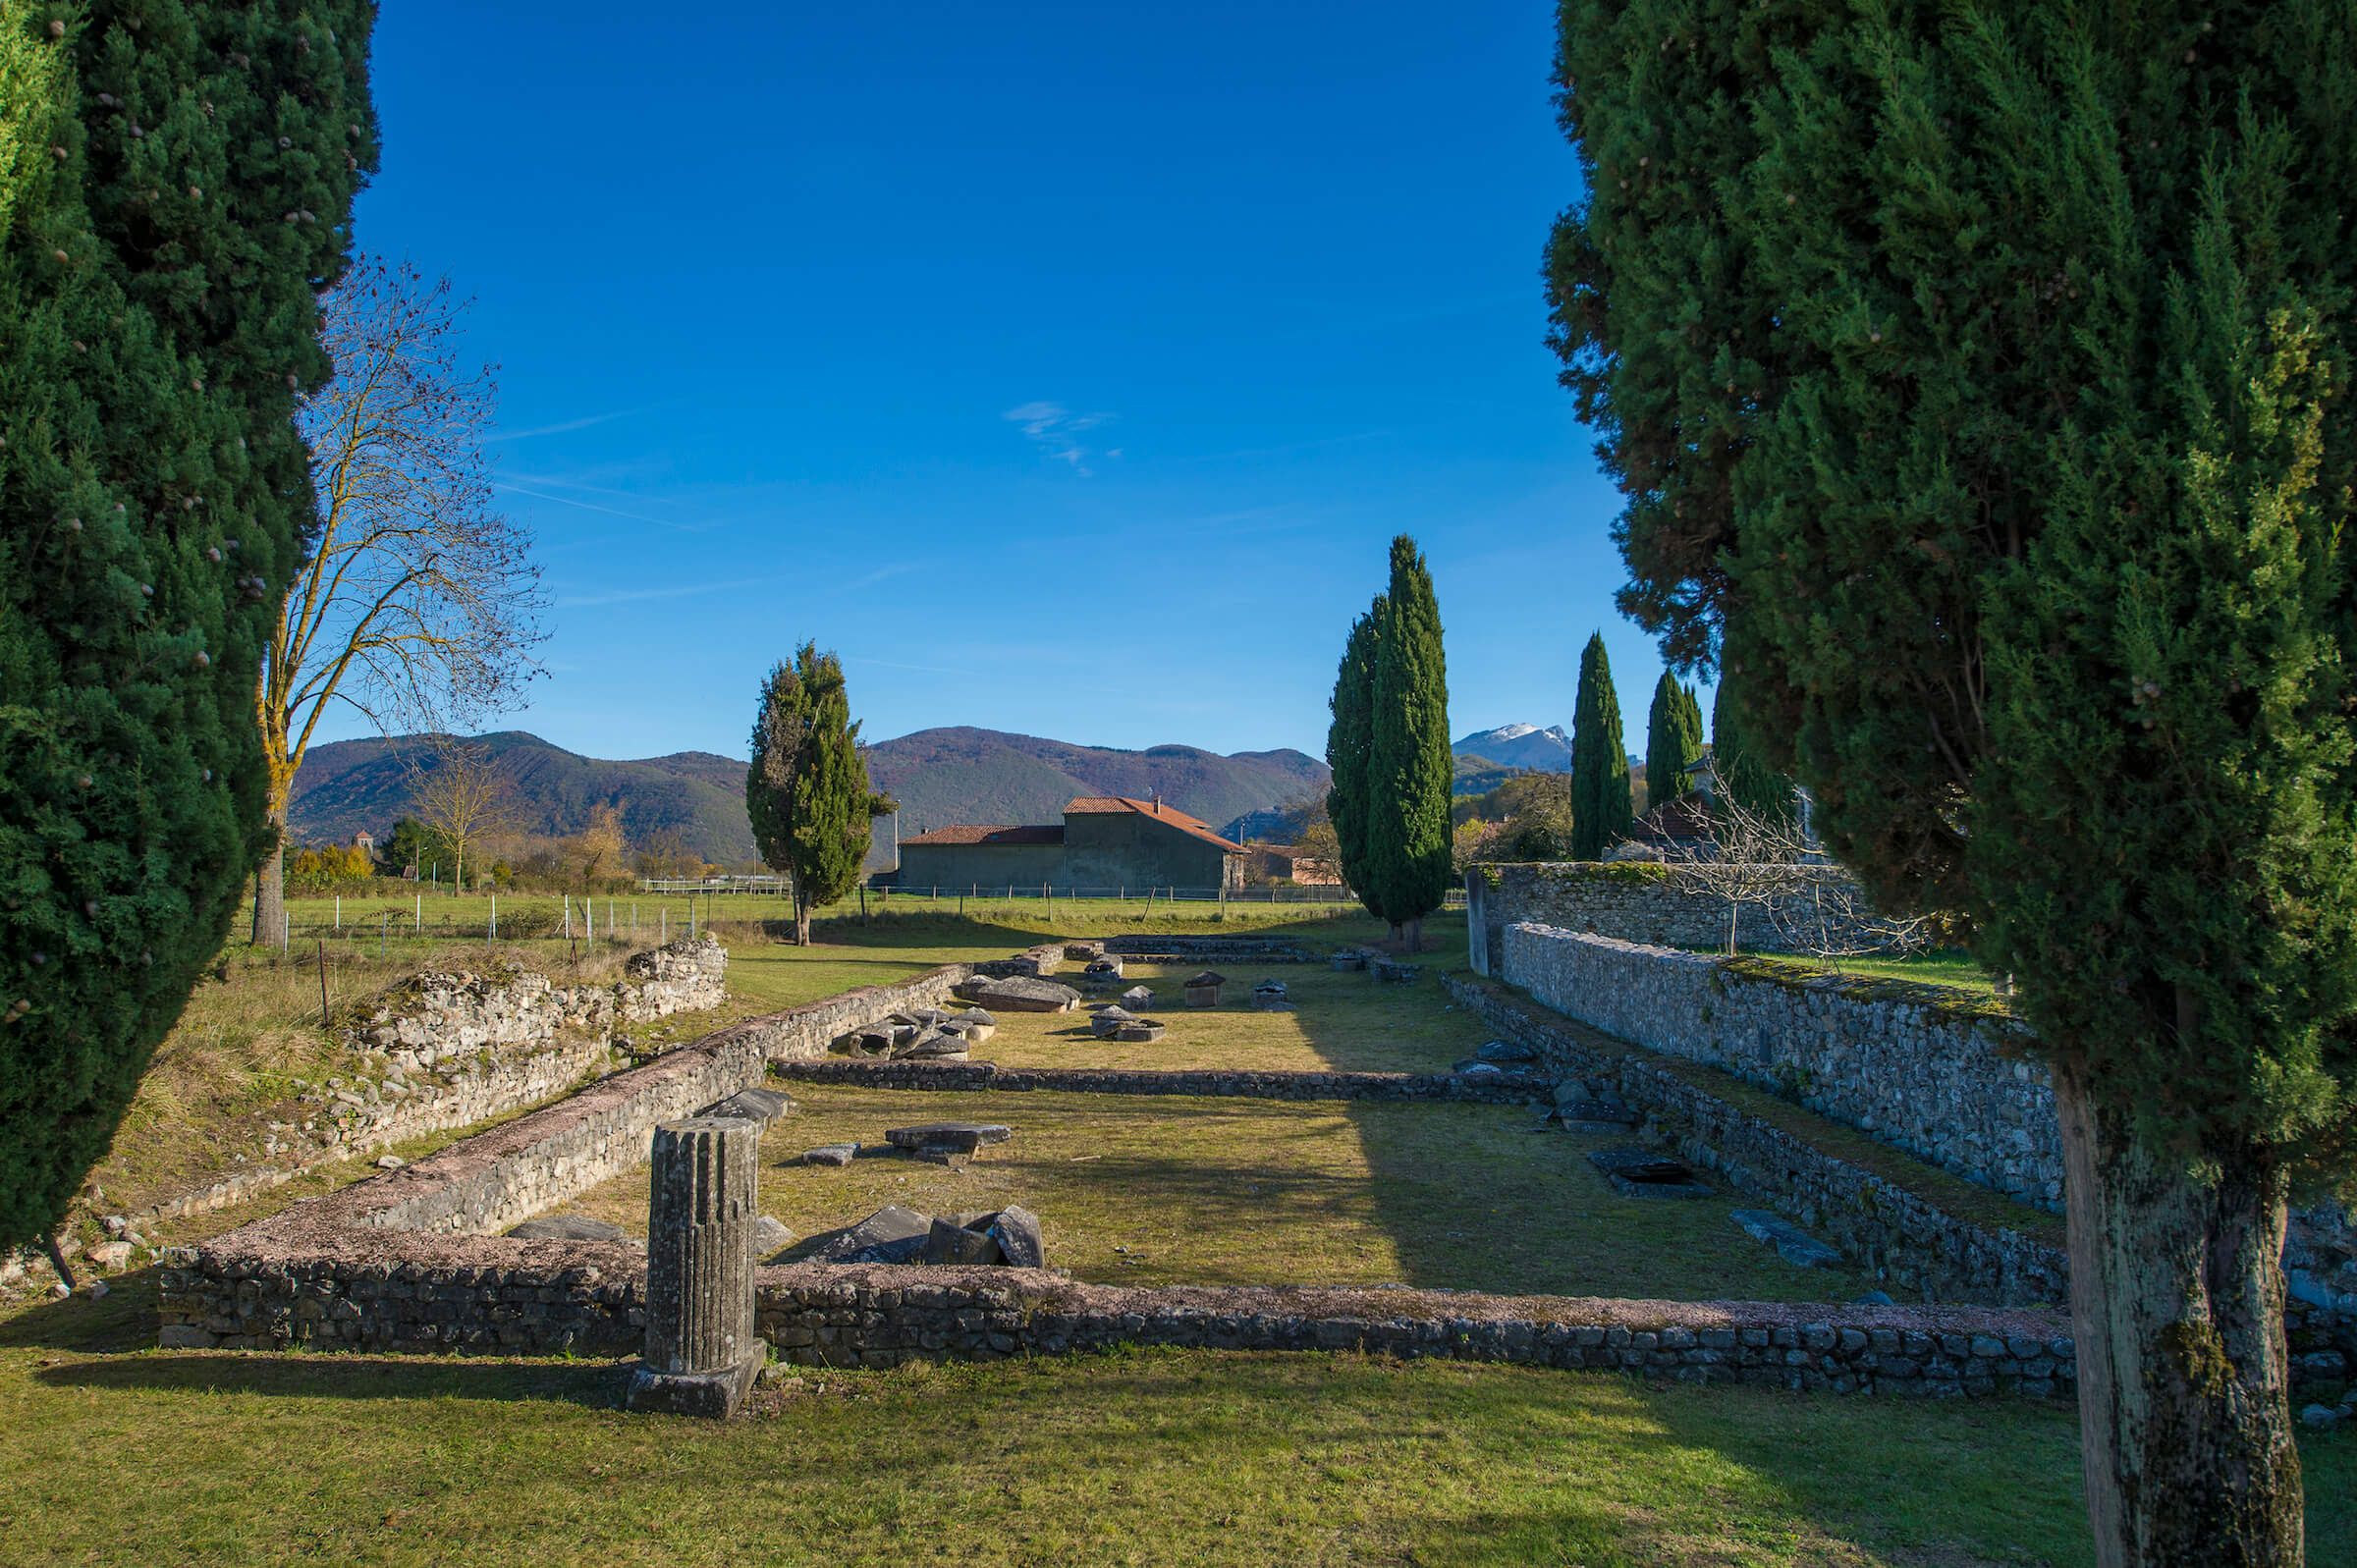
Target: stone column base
716, 1393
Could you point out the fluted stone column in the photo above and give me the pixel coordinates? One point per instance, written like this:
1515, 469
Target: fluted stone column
703, 1199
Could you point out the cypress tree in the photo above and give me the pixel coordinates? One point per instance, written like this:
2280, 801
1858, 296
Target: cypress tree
1600, 792
1673, 741
1752, 784
1978, 378
1349, 743
190, 177
1411, 769
806, 790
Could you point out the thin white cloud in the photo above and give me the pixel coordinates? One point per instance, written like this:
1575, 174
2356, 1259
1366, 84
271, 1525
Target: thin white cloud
894, 664
611, 511
560, 429
1055, 430
624, 596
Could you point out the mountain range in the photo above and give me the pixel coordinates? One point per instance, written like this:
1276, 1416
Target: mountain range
1519, 745
939, 777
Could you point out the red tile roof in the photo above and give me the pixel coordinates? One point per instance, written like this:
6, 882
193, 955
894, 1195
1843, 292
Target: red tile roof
1170, 816
1049, 833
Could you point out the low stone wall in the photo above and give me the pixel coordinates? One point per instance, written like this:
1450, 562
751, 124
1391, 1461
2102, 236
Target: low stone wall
1898, 1232
486, 1296
1487, 1089
437, 1016
1638, 900
1924, 1068
1149, 948
370, 1230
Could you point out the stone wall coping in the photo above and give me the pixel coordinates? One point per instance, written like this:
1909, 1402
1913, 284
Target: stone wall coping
1243, 1083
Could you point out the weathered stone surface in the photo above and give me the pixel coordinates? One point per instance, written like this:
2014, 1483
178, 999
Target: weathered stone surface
567, 1227
1791, 1243
964, 1135
1594, 1117
949, 1242
701, 1351
1139, 1031
1138, 997
1269, 996
753, 1105
1102, 971
1645, 1173
1506, 1051
933, 1047
771, 1235
1019, 1242
831, 1154
1020, 993
892, 1234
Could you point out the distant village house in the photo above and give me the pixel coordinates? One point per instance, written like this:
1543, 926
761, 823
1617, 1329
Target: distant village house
1104, 842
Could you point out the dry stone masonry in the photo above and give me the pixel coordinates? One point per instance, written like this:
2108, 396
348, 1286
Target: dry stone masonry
1669, 906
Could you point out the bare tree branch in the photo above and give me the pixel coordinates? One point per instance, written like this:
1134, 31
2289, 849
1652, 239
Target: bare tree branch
462, 794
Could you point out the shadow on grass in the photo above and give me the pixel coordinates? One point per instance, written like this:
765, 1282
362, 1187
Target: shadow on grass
348, 1375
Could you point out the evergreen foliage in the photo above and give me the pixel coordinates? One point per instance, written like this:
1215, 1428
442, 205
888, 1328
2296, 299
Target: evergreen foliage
1673, 741
1599, 792
806, 790
1977, 377
1412, 770
1750, 783
1349, 746
176, 181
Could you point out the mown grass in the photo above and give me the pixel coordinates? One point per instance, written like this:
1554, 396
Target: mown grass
1138, 1189
1144, 1458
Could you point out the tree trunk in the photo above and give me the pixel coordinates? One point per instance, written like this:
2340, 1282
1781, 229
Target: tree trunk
270, 880
1415, 930
801, 922
2176, 1287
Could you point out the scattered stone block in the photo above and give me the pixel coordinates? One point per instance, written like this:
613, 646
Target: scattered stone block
1102, 971
1791, 1243
1595, 1117
390, 1162
1083, 951
1203, 990
1644, 1173
1138, 997
763, 1105
1020, 993
1106, 1022
933, 1047
953, 1244
1016, 1231
771, 1236
1390, 973
892, 1234
1506, 1051
111, 1254
1269, 996
1139, 1031
1347, 958
964, 1136
831, 1154
1477, 1069
567, 1228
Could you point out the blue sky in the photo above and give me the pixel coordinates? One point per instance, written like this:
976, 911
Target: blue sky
1067, 368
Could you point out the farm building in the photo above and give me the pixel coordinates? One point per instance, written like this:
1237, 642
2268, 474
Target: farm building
1105, 842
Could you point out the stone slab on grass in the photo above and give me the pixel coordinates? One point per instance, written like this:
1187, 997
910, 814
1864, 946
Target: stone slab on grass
1791, 1243
967, 1136
1021, 994
567, 1228
1645, 1173
892, 1234
831, 1154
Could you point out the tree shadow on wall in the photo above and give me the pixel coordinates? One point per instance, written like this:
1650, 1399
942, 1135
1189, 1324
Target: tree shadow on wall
350, 1374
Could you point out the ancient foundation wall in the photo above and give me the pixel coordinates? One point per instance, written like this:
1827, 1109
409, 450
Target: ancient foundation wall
1489, 1089
1922, 1069
1638, 900
1877, 1223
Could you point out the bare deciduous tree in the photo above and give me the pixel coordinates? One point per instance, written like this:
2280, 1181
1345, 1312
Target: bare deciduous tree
418, 601
462, 794
1773, 862
597, 849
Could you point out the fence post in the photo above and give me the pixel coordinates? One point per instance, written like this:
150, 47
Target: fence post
568, 917
286, 930
494, 936
384, 923
339, 913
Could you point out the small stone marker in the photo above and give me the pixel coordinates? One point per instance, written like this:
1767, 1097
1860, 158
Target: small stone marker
1269, 996
1203, 990
831, 1154
701, 1353
1347, 958
892, 1234
1138, 997
1107, 1021
1593, 1116
1139, 1031
951, 1243
1021, 994
943, 1047
1102, 971
771, 1236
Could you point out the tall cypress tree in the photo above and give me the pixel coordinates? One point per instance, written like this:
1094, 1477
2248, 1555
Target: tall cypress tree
1600, 792
806, 790
1673, 741
1412, 769
1741, 771
1978, 377
192, 176
1349, 746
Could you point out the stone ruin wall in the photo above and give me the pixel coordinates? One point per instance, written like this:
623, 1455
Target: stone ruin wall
1663, 906
1902, 1063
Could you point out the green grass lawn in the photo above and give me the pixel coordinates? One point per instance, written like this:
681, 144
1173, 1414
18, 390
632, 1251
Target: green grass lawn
1153, 1190
152, 1457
